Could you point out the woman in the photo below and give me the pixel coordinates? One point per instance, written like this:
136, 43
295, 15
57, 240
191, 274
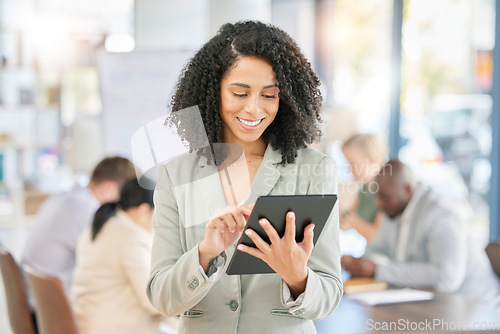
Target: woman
366, 154
254, 89
112, 267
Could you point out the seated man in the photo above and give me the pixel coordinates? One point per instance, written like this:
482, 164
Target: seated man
423, 243
51, 243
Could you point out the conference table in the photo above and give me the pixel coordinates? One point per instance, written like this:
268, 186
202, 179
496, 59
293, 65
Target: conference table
446, 313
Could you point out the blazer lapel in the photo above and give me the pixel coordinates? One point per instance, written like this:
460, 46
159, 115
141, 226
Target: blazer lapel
210, 187
265, 180
267, 175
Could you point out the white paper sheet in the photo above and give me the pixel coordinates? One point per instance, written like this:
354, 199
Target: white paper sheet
392, 296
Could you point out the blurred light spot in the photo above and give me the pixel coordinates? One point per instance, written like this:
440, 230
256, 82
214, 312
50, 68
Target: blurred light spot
119, 43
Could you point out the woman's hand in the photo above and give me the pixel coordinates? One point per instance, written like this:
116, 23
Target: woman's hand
345, 219
222, 231
284, 255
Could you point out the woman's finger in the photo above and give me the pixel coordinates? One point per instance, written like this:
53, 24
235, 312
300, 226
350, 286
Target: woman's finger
290, 226
220, 224
246, 210
229, 221
252, 251
222, 211
239, 219
212, 223
249, 207
271, 232
308, 243
257, 240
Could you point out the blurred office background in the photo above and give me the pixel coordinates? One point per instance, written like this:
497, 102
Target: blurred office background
77, 78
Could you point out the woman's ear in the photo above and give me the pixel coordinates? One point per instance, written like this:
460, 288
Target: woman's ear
144, 208
146, 215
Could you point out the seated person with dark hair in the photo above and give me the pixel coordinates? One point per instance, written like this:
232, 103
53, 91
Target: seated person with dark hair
424, 242
51, 243
112, 267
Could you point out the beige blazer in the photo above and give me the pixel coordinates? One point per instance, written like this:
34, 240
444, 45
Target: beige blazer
188, 193
110, 279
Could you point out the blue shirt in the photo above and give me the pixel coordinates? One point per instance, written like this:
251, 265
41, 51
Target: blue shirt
52, 242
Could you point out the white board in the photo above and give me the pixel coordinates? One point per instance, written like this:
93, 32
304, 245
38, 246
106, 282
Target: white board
136, 88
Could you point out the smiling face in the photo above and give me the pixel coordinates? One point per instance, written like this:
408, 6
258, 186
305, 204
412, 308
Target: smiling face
249, 101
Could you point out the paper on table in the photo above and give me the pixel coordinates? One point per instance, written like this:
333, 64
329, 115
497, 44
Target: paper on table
391, 296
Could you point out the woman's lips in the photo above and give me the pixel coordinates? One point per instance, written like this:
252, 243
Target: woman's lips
249, 124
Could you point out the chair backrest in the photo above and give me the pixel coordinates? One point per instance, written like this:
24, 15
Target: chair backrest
53, 309
20, 316
493, 251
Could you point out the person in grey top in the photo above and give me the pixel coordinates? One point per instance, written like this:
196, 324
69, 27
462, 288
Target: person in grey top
424, 242
52, 242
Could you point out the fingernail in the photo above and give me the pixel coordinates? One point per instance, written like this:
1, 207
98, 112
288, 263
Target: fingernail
232, 231
263, 222
290, 214
240, 247
248, 232
312, 228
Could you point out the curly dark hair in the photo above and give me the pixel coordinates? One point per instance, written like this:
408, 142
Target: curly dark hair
297, 121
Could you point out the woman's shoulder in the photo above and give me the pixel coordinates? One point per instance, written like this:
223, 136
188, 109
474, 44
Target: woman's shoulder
312, 156
183, 160
318, 165
122, 228
187, 168
119, 225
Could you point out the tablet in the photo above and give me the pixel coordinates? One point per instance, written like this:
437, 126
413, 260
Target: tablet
307, 208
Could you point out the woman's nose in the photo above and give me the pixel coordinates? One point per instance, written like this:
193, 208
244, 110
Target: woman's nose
253, 105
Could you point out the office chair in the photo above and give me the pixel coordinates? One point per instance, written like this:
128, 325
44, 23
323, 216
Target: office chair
20, 316
54, 313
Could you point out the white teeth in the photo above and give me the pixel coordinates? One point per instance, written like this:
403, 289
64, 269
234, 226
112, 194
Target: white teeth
254, 123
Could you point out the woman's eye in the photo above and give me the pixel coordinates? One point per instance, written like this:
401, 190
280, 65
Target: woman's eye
239, 95
269, 96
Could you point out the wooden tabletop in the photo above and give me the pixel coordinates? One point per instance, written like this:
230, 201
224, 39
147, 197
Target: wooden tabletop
446, 313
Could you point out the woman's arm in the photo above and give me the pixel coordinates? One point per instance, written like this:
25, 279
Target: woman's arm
324, 285
222, 231
343, 213
366, 229
176, 282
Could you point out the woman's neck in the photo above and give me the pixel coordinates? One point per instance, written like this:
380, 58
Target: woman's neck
138, 217
255, 148
250, 148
